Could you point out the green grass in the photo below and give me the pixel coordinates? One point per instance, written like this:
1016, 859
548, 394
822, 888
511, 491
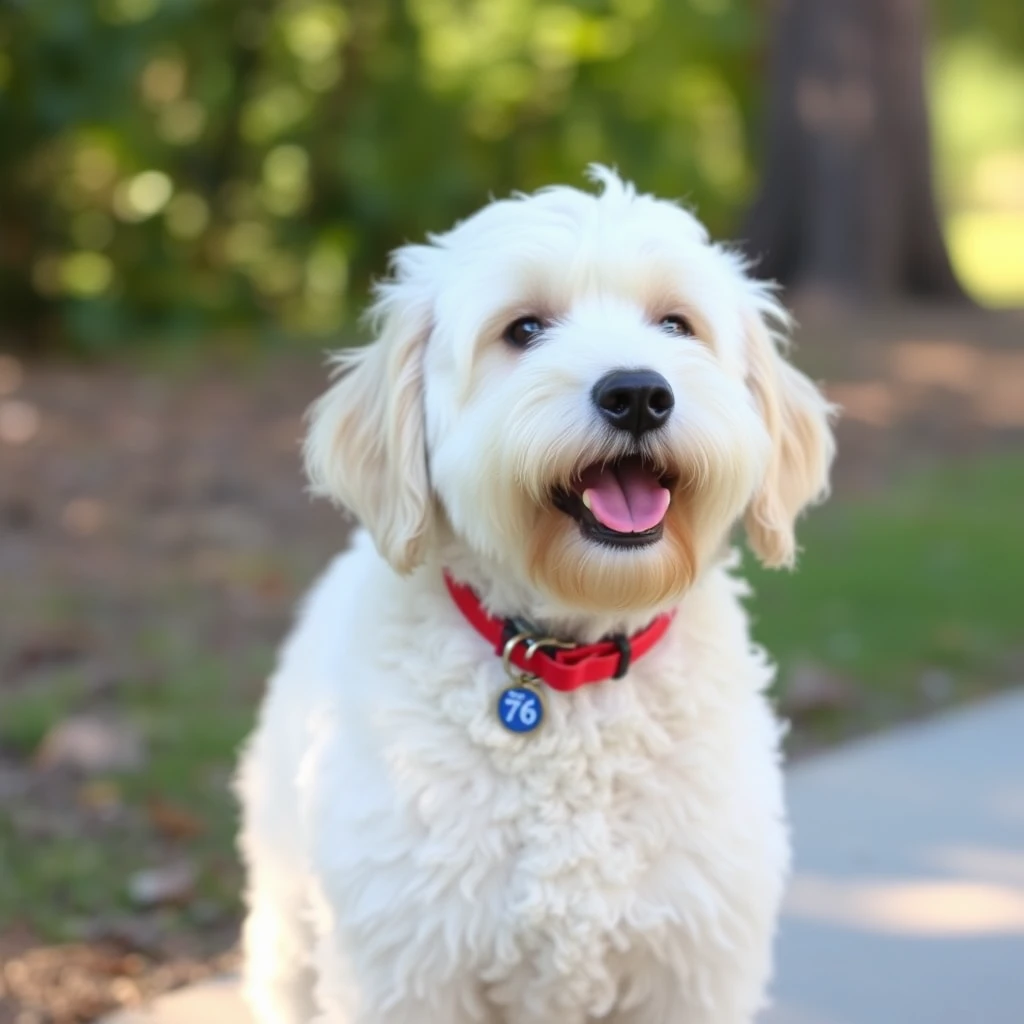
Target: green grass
26, 719
926, 577
193, 724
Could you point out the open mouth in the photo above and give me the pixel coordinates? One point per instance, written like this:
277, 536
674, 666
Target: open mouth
621, 504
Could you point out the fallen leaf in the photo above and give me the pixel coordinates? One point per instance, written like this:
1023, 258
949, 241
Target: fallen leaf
273, 585
19, 421
174, 821
11, 375
83, 516
46, 649
92, 744
172, 883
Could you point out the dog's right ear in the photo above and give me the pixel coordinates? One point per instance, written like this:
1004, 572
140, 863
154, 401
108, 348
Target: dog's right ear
365, 447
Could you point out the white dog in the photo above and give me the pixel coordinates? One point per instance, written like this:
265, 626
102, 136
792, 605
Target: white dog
517, 765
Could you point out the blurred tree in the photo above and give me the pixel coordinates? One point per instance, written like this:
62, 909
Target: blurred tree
847, 201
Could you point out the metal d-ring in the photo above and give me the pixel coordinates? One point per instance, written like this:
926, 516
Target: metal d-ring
533, 644
518, 677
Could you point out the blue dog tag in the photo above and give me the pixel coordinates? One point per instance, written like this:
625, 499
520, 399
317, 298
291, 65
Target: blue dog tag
520, 709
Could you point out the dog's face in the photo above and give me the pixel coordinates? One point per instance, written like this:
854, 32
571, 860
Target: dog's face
584, 392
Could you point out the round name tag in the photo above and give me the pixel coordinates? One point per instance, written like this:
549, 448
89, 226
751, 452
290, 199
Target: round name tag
520, 709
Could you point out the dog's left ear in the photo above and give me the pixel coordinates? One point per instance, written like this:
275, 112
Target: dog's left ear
366, 446
798, 417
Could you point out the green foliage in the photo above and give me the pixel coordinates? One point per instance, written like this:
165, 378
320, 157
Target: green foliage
979, 121
171, 167
996, 22
184, 168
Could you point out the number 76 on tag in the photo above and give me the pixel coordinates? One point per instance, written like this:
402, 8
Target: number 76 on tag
520, 709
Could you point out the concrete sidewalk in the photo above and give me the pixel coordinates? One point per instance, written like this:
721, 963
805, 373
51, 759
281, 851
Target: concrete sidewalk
907, 906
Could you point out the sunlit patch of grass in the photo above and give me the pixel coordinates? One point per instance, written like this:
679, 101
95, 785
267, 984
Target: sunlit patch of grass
926, 577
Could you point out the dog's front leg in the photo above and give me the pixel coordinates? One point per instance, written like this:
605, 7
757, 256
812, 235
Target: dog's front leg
278, 978
729, 989
352, 988
682, 1010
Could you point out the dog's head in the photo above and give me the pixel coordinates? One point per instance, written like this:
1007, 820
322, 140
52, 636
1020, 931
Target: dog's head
584, 392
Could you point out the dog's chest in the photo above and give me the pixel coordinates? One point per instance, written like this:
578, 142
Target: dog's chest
558, 833
577, 853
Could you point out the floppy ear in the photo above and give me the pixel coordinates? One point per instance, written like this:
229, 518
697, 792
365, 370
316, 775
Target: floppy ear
798, 417
365, 448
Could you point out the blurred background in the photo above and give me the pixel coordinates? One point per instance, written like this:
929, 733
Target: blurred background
194, 196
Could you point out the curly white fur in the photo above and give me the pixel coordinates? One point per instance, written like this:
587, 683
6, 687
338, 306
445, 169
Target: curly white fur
410, 861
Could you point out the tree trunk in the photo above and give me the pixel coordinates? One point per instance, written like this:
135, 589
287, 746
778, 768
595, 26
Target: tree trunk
847, 202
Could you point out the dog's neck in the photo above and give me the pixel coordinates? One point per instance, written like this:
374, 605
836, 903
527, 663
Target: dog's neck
506, 597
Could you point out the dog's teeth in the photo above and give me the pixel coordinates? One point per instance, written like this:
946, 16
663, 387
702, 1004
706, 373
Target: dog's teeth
586, 499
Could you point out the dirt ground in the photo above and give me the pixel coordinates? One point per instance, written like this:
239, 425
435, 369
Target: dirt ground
172, 495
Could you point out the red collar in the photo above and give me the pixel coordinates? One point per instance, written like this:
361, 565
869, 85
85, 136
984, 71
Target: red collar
562, 666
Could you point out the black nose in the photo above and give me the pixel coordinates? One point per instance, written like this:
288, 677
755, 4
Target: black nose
634, 400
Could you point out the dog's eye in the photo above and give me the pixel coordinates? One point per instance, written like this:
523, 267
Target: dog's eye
523, 332
677, 325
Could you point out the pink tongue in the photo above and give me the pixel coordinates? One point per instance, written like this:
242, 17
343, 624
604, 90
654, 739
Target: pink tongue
626, 498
